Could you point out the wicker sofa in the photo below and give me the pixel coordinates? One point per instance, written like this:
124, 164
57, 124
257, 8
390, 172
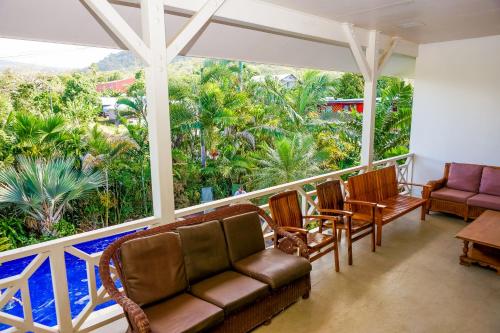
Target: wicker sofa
466, 190
210, 273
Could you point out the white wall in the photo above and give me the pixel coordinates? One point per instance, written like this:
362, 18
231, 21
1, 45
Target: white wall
456, 112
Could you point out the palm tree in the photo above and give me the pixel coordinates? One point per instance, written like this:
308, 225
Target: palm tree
392, 122
288, 160
44, 189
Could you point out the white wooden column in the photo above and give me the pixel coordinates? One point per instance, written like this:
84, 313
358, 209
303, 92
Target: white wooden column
370, 101
370, 65
153, 30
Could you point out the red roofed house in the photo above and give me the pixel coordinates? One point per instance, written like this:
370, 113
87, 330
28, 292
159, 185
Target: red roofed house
117, 85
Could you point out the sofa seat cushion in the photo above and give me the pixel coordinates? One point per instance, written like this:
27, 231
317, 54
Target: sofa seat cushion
204, 248
183, 313
490, 181
485, 201
243, 235
450, 194
153, 267
464, 177
230, 290
274, 267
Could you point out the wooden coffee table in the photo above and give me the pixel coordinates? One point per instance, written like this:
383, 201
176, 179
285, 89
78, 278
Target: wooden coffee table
484, 236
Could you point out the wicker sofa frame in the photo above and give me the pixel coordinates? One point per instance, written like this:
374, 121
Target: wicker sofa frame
446, 206
243, 320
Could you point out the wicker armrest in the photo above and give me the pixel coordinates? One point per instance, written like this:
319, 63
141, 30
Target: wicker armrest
291, 242
432, 185
136, 315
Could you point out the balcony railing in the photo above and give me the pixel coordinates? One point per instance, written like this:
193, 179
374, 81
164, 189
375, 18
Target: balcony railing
18, 288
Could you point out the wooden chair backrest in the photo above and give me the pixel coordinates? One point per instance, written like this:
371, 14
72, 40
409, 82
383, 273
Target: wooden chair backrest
373, 186
285, 209
330, 195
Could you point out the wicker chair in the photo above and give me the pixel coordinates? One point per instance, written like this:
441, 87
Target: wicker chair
287, 216
331, 202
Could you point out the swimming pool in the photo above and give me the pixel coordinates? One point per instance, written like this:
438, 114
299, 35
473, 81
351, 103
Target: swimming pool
40, 283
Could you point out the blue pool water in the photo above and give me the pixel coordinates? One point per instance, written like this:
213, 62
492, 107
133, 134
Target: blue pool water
40, 283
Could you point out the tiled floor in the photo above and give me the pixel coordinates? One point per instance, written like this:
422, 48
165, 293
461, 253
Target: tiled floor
413, 283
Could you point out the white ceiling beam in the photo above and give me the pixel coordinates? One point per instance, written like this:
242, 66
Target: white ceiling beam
268, 17
192, 28
387, 54
120, 28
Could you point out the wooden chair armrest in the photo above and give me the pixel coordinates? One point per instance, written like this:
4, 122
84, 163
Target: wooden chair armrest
321, 217
336, 211
295, 229
290, 242
436, 184
415, 184
364, 203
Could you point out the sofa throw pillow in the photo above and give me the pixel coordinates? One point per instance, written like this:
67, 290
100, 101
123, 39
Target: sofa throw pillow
243, 235
204, 248
153, 267
465, 177
490, 181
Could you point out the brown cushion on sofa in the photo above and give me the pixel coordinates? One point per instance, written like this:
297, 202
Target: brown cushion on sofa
204, 250
490, 181
153, 267
464, 177
485, 201
243, 235
230, 290
274, 267
450, 194
183, 313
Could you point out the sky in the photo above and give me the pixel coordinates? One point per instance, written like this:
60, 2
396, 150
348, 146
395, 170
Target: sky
50, 54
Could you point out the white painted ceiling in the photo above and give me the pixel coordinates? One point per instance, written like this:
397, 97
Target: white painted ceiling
419, 21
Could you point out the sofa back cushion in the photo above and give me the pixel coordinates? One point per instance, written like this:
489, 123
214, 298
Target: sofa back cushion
243, 235
153, 267
204, 248
490, 181
464, 177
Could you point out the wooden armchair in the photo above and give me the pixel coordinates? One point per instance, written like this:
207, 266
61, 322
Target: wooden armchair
331, 202
287, 215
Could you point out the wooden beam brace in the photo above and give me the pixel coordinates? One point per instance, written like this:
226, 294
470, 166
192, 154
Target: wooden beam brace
195, 24
387, 54
357, 52
120, 28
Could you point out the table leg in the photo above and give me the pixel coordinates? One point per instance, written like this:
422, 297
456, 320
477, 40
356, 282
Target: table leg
463, 257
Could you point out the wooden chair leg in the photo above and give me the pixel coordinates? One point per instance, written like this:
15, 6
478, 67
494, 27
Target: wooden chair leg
349, 246
422, 213
379, 234
336, 256
373, 238
339, 235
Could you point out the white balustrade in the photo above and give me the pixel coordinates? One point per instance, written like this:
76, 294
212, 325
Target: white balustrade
89, 319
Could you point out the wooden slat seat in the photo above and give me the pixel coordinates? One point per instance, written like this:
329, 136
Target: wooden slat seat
381, 187
398, 206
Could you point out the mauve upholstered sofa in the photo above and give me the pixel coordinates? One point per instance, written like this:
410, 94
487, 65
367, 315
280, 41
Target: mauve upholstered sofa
465, 190
208, 273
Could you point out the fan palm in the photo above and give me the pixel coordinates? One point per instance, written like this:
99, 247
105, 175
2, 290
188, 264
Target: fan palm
44, 189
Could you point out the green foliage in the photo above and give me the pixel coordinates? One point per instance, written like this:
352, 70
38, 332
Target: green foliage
227, 130
349, 85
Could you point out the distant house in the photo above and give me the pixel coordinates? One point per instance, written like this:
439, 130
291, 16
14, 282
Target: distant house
341, 104
120, 86
288, 80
